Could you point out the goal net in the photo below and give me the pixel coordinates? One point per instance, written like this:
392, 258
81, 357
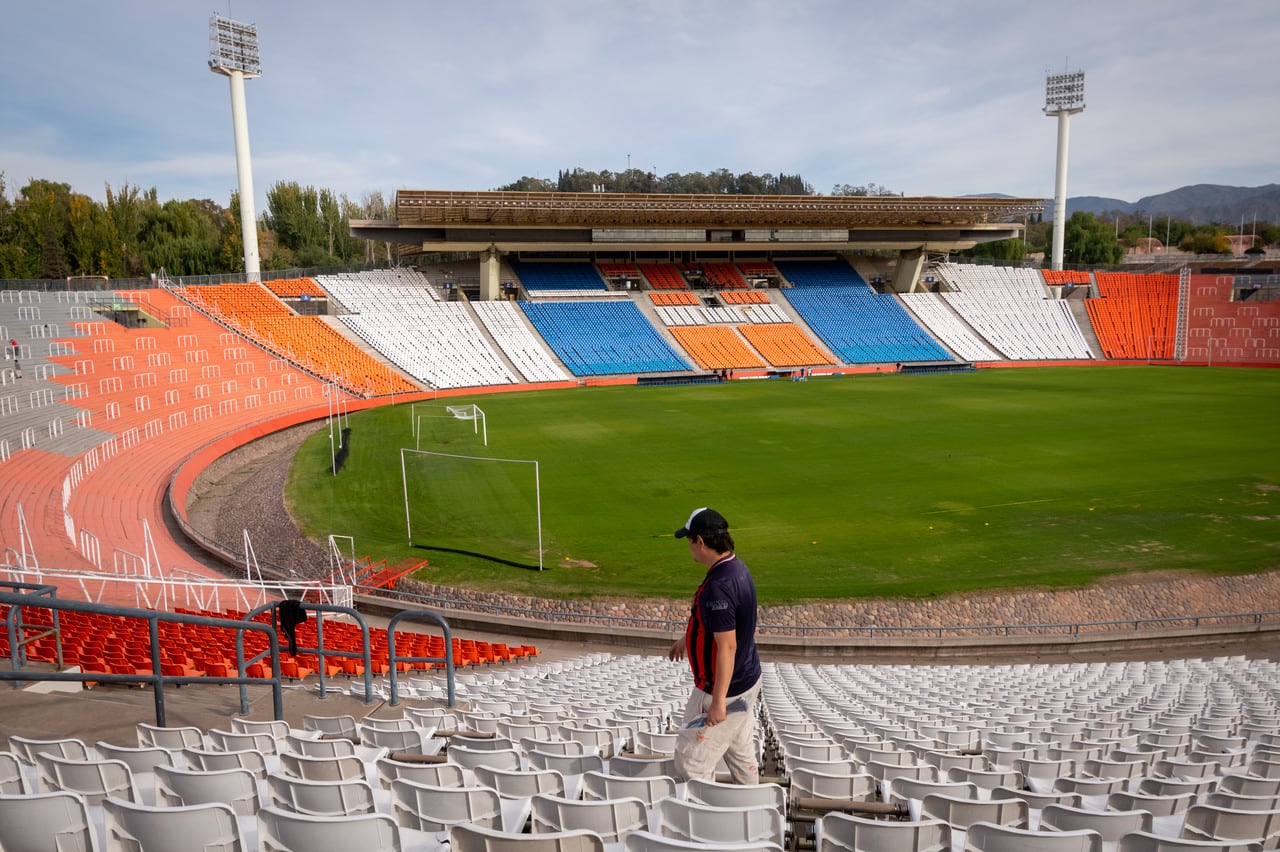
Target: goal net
484, 507
448, 425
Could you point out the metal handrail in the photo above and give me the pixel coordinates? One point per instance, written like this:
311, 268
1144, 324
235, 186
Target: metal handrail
828, 631
44, 597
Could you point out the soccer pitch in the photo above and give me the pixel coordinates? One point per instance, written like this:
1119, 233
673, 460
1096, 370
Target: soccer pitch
856, 486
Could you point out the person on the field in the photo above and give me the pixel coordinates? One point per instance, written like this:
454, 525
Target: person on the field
720, 642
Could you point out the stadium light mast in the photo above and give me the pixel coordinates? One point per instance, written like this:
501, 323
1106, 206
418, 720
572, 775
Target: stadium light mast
233, 52
1063, 97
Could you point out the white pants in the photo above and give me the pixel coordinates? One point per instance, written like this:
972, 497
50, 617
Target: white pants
699, 748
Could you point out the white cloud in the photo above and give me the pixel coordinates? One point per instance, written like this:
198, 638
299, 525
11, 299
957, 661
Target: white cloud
925, 98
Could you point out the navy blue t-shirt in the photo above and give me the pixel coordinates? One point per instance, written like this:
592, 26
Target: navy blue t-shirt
726, 600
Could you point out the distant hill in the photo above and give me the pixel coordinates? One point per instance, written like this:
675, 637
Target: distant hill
1201, 204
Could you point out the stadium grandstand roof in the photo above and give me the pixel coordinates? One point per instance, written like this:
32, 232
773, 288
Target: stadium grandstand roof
588, 221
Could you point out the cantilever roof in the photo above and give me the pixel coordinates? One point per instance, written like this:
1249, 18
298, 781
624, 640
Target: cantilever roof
434, 208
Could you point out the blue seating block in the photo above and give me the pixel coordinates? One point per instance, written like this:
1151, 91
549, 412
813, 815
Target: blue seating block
858, 324
602, 338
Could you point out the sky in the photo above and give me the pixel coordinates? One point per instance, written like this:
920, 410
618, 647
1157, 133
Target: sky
923, 97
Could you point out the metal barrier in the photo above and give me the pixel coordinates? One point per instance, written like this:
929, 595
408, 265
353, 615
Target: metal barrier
393, 658
319, 650
44, 597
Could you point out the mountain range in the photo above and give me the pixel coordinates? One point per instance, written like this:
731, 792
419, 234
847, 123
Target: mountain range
1201, 204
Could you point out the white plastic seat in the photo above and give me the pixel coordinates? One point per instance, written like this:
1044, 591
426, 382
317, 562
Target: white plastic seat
237, 788
26, 748
710, 792
47, 822
642, 767
1239, 802
654, 742
650, 790
1246, 785
320, 798
332, 726
1110, 825
220, 740
961, 813
988, 837
911, 792
985, 779
836, 832
473, 838
571, 766
1206, 822
283, 831
696, 821
520, 784
335, 747
1166, 811
611, 819
92, 779
131, 827
431, 774
813, 784
407, 741
470, 758
517, 788
12, 782
1138, 841
322, 768
170, 738
552, 746
436, 809
641, 840
210, 761
278, 729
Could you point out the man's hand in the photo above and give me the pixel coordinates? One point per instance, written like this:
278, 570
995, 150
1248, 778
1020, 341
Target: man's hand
716, 713
677, 649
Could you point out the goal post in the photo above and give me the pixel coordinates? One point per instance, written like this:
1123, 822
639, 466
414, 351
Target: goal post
423, 414
490, 508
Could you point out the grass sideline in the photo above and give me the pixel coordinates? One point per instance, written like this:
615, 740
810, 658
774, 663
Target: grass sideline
866, 486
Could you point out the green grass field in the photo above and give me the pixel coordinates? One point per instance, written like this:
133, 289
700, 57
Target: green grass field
885, 485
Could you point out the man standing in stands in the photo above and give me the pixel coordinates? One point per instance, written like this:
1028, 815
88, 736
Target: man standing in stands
720, 641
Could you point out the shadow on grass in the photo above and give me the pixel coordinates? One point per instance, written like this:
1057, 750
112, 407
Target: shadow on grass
485, 556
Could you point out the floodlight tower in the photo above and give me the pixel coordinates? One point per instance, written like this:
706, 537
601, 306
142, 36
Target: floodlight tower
1063, 97
233, 51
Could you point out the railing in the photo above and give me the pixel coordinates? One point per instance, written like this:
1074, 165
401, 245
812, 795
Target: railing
37, 596
764, 629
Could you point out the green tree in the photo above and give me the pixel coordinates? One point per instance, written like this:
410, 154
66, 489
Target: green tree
529, 184
293, 213
1089, 242
1011, 249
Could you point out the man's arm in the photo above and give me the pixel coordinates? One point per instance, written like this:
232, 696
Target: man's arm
726, 649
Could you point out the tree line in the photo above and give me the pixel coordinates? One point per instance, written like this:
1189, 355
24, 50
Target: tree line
1088, 240
48, 230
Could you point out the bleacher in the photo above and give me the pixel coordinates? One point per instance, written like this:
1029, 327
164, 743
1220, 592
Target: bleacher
526, 350
1223, 329
1135, 316
559, 279
663, 276
576, 754
129, 404
852, 320
1010, 309
306, 341
602, 338
438, 343
947, 326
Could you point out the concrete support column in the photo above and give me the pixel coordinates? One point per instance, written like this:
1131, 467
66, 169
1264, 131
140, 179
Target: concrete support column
906, 273
490, 279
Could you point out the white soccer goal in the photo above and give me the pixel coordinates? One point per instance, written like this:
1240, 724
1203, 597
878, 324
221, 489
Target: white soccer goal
433, 412
485, 507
